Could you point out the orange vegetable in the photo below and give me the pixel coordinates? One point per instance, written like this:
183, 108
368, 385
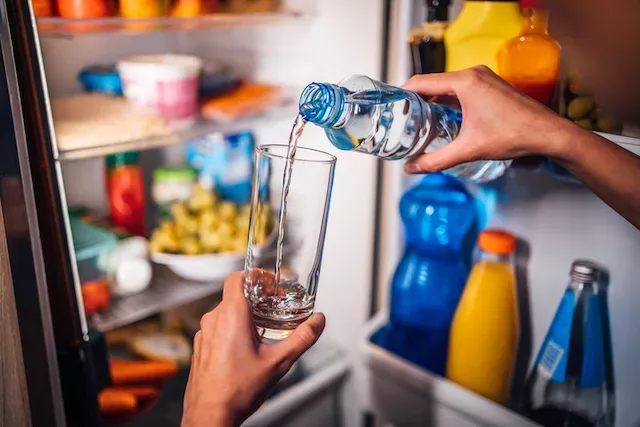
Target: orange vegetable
115, 402
140, 392
126, 372
95, 296
248, 99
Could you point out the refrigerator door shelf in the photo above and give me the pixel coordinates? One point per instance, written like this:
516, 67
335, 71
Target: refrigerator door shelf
401, 393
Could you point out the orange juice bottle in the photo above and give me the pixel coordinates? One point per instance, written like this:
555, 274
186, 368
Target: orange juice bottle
485, 330
531, 61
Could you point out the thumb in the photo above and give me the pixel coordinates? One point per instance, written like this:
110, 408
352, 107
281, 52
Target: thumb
453, 154
301, 340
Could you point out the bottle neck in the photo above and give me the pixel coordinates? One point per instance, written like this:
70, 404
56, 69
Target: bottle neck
437, 10
491, 257
535, 21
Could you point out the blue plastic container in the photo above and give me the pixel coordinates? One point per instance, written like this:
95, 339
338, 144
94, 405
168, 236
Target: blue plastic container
441, 226
101, 78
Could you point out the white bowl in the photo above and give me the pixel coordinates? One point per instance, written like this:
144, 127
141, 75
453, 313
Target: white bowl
201, 268
208, 267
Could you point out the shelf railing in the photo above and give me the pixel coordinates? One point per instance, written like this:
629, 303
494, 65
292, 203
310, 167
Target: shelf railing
72, 27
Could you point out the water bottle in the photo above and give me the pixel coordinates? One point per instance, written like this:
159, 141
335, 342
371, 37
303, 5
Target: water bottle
368, 116
440, 222
572, 381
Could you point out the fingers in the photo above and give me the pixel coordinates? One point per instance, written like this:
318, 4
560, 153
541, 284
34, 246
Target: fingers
443, 158
302, 339
448, 83
234, 287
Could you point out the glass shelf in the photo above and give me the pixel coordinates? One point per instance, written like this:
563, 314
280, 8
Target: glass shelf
202, 128
73, 27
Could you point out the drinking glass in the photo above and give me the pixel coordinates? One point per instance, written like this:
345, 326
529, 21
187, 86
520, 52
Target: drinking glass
279, 306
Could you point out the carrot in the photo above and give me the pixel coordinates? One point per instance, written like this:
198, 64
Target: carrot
126, 372
114, 402
140, 392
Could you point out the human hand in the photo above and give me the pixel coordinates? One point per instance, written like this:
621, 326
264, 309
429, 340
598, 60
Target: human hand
499, 122
232, 370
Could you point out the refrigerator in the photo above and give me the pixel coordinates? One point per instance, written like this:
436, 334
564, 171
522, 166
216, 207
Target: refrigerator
55, 367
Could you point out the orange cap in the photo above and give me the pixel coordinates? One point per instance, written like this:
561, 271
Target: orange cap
497, 242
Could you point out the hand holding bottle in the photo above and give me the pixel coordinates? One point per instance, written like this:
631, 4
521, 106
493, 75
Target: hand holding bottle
499, 123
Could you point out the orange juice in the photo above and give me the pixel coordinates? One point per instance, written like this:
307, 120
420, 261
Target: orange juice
485, 330
531, 61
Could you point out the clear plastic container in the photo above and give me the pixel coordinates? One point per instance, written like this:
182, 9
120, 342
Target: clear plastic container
371, 117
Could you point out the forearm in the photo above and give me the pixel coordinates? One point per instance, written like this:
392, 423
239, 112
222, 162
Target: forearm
610, 171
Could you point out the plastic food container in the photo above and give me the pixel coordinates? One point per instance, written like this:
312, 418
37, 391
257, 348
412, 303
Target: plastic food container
163, 84
101, 78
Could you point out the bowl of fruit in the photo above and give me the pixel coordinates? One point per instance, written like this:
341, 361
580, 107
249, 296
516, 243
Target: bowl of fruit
205, 238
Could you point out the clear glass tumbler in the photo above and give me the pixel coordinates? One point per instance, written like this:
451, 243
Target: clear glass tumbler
279, 306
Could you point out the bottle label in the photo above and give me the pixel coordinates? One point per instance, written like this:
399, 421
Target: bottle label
593, 369
552, 360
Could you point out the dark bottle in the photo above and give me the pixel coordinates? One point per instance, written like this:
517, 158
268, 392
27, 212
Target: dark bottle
427, 41
572, 381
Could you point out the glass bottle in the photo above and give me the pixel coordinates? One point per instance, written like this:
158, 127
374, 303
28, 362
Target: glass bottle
427, 41
572, 382
368, 116
531, 61
485, 331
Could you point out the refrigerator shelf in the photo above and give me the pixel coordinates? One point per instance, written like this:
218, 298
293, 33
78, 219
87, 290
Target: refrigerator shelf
404, 394
202, 128
310, 401
166, 291
65, 27
628, 142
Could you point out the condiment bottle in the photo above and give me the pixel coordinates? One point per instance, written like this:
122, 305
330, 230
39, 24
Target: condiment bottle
531, 61
427, 41
485, 330
125, 189
482, 27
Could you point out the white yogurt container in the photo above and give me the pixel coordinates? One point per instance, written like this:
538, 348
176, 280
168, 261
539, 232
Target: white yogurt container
163, 84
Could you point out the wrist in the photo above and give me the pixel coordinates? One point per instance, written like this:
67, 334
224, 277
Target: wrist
214, 417
560, 141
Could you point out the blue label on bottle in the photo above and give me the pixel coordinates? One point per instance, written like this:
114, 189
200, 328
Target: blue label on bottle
593, 369
552, 359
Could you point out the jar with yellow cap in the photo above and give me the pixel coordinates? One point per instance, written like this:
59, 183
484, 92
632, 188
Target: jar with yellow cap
485, 331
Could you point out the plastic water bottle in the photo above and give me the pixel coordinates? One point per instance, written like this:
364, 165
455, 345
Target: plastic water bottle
368, 116
572, 381
440, 222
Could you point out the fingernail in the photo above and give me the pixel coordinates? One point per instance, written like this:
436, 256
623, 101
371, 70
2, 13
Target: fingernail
412, 168
317, 319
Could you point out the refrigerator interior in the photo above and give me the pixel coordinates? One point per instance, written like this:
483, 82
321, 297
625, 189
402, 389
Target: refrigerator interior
558, 222
305, 47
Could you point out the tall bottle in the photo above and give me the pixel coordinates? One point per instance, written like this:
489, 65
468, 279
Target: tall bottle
440, 221
485, 330
572, 381
482, 27
427, 41
368, 116
531, 61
